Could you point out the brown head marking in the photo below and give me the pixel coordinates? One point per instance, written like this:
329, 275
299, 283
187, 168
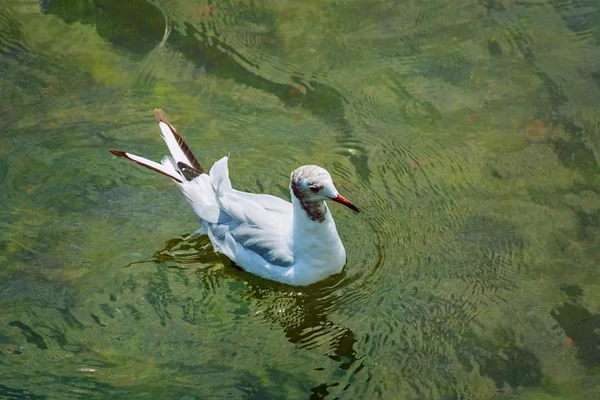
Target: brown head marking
316, 210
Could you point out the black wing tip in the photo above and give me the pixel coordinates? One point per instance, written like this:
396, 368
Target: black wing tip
118, 153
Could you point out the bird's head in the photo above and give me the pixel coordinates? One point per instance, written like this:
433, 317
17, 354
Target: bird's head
311, 183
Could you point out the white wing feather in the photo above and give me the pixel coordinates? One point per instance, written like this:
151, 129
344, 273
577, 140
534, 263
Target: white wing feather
249, 220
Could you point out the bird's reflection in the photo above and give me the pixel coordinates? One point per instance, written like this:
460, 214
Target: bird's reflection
302, 312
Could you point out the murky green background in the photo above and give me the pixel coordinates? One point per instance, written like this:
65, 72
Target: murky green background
466, 131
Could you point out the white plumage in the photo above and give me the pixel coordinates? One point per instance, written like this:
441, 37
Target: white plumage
294, 243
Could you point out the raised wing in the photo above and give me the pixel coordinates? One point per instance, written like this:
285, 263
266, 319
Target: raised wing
259, 223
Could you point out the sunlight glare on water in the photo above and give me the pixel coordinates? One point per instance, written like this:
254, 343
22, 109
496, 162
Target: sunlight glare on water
465, 131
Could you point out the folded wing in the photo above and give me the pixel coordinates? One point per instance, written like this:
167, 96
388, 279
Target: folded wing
259, 223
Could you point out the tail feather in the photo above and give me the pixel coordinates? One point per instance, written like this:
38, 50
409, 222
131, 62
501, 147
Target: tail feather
177, 146
154, 166
180, 164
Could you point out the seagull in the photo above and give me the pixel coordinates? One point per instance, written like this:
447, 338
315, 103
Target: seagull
292, 243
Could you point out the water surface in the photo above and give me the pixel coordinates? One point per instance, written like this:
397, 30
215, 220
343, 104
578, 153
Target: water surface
466, 131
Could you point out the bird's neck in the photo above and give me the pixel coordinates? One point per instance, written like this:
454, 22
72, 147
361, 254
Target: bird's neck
316, 211
314, 232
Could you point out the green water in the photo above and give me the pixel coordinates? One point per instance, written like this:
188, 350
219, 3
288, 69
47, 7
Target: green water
466, 131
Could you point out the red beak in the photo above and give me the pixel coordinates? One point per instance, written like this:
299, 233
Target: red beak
342, 200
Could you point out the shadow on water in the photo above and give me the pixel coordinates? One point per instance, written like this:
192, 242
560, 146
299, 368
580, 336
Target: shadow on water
581, 326
30, 335
304, 316
138, 26
504, 360
302, 312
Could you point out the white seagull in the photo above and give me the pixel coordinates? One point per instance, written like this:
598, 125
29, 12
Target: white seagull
293, 243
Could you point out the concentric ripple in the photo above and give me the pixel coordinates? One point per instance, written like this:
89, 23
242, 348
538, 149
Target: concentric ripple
465, 131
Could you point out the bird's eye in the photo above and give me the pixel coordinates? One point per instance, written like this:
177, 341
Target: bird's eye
313, 189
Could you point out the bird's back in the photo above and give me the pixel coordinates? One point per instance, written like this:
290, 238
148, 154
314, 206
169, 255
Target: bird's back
258, 223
